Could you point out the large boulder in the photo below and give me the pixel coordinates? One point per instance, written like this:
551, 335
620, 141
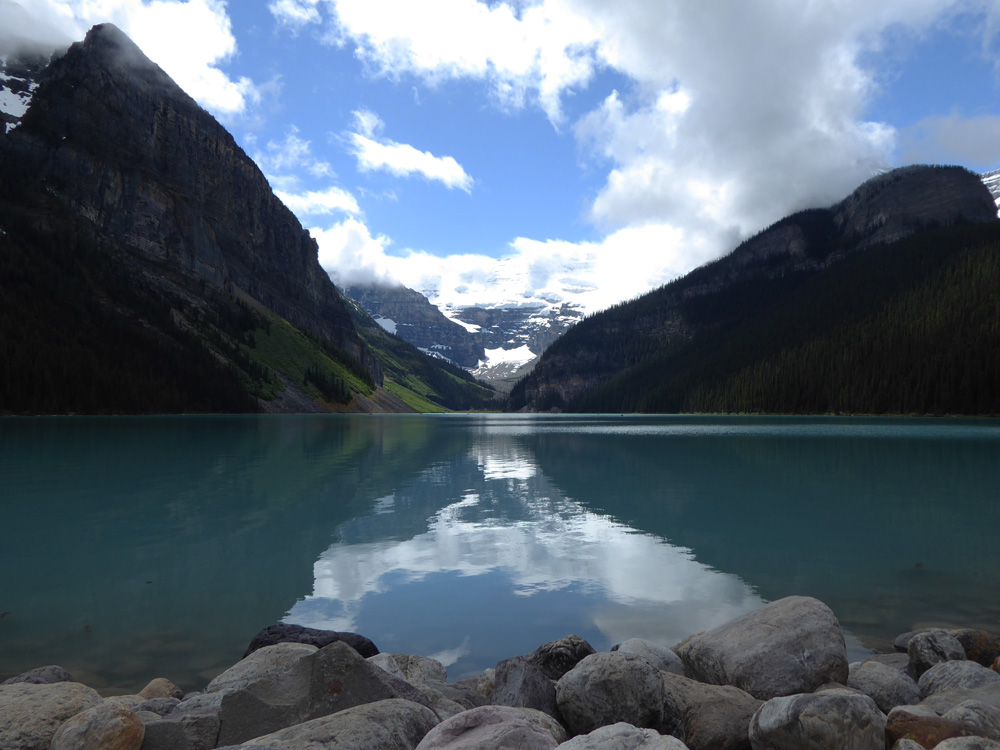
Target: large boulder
106, 726
930, 647
659, 656
520, 683
830, 720
955, 674
790, 646
707, 717
491, 727
888, 687
608, 688
30, 714
982, 716
301, 686
968, 743
622, 736
285, 633
383, 725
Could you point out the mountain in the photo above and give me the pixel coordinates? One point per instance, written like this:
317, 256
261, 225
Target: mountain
409, 315
498, 340
148, 267
883, 303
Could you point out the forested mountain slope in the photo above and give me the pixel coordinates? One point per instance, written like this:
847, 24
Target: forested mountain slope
884, 303
146, 265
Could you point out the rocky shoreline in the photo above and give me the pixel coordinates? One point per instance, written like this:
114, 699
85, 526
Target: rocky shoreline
772, 679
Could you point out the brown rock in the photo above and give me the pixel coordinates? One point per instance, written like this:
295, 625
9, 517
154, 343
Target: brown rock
927, 730
30, 714
104, 727
979, 645
161, 687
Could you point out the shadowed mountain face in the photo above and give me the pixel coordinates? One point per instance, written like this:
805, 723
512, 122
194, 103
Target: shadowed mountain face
133, 154
147, 266
758, 328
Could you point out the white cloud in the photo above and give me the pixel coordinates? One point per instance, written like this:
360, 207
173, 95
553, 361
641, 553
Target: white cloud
190, 40
351, 255
733, 116
295, 13
281, 160
401, 159
319, 202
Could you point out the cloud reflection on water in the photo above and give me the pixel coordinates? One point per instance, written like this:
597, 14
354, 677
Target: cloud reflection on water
508, 519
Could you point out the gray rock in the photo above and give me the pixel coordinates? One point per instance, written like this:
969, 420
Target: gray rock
608, 688
985, 718
41, 676
284, 665
482, 684
707, 717
907, 744
284, 633
831, 720
386, 662
441, 704
491, 727
887, 686
622, 736
902, 641
968, 743
932, 647
158, 706
462, 693
520, 683
383, 725
193, 724
789, 646
941, 703
899, 662
419, 668
102, 727
955, 674
659, 656
31, 713
556, 658
318, 683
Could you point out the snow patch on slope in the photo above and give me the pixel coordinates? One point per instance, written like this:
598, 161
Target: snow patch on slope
992, 182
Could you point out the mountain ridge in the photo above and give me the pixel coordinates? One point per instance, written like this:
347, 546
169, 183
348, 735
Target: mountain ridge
671, 334
176, 241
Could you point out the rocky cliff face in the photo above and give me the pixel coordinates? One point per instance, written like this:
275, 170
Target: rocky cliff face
117, 140
409, 315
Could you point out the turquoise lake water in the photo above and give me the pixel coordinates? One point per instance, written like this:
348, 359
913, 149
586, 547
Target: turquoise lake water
133, 548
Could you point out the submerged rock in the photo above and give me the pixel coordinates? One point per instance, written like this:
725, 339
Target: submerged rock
790, 646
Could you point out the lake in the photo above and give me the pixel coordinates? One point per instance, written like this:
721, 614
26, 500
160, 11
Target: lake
133, 548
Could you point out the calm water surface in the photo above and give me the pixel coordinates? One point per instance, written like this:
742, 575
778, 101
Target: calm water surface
133, 548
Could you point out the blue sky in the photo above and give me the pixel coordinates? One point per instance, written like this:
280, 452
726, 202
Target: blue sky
566, 148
